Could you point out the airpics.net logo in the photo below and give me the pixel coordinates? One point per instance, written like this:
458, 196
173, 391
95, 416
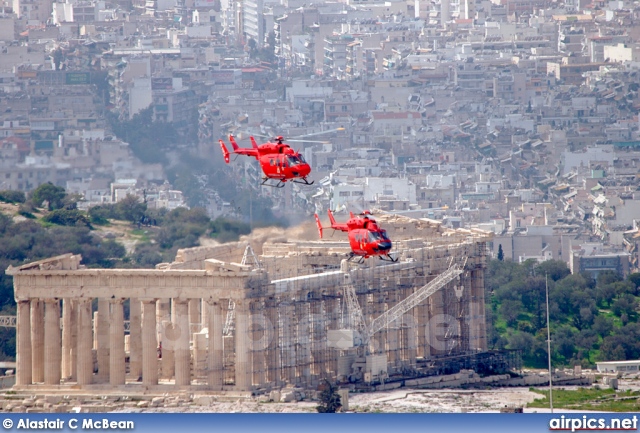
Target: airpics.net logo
585, 423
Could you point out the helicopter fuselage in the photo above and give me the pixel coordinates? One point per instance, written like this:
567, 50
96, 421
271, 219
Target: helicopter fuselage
366, 238
277, 160
369, 243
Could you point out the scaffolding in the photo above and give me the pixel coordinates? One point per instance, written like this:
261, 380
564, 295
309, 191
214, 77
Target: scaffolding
320, 317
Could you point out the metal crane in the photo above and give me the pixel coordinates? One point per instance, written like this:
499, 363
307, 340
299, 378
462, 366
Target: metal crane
397, 311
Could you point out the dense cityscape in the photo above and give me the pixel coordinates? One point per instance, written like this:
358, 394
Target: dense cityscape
508, 128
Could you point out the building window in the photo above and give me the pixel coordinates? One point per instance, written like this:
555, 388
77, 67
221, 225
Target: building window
344, 193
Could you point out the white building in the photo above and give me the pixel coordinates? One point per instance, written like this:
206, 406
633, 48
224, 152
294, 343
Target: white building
618, 366
360, 196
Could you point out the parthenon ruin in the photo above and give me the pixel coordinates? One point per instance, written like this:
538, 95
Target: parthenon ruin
222, 318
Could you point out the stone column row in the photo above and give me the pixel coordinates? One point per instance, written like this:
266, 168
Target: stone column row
47, 353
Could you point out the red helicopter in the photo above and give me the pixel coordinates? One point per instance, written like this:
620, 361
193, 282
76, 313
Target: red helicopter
277, 159
366, 238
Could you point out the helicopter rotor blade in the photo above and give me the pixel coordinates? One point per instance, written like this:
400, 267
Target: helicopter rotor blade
252, 134
308, 141
320, 133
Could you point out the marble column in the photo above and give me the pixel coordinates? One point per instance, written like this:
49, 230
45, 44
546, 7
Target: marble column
423, 314
163, 313
135, 339
67, 338
287, 347
393, 356
199, 354
24, 371
85, 342
259, 334
167, 339
181, 343
73, 364
116, 343
243, 355
273, 354
149, 343
194, 315
102, 331
164, 325
318, 343
52, 342
204, 313
215, 364
37, 340
437, 346
94, 323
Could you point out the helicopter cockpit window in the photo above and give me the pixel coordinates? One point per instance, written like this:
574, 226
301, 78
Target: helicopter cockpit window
383, 235
293, 160
374, 236
272, 162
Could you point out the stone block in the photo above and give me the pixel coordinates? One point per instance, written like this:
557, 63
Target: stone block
63, 408
157, 401
287, 396
202, 400
53, 399
274, 396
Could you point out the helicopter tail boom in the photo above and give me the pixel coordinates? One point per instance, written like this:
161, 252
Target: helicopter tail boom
331, 218
233, 143
225, 152
319, 225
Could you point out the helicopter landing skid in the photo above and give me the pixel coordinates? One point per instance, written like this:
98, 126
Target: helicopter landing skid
280, 183
388, 258
306, 182
360, 258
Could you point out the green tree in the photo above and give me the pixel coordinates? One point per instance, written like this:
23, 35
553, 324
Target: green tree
329, 399
635, 279
66, 217
48, 192
226, 230
554, 269
500, 253
510, 310
131, 208
147, 255
10, 196
625, 304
